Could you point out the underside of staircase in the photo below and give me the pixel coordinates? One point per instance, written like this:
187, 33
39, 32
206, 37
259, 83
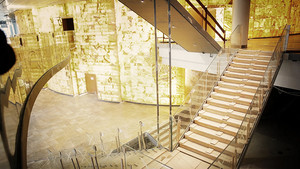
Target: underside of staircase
184, 26
216, 125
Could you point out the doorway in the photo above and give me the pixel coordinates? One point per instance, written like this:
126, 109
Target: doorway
91, 83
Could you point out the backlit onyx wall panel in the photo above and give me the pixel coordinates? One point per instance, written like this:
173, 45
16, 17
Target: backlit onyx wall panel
136, 52
267, 17
108, 40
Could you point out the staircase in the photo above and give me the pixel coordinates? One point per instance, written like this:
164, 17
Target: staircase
216, 125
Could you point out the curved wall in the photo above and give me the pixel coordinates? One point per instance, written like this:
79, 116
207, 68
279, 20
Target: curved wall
109, 42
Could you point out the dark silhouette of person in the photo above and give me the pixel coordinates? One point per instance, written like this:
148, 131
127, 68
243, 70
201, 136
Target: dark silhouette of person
7, 55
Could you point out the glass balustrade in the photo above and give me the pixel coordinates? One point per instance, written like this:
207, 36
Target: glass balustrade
231, 156
35, 55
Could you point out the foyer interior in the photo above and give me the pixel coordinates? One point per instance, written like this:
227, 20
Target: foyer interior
72, 119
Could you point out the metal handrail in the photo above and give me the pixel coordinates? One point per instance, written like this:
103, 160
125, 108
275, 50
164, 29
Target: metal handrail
22, 131
207, 13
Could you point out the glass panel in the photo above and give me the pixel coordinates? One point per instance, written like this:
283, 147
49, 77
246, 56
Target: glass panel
35, 55
235, 38
129, 155
198, 94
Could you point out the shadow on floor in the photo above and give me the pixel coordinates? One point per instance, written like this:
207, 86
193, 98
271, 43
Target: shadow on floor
276, 140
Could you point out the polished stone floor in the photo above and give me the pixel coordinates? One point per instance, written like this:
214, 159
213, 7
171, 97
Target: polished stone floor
61, 123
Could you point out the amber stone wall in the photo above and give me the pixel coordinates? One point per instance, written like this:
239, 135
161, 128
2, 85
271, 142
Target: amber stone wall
108, 40
267, 17
136, 52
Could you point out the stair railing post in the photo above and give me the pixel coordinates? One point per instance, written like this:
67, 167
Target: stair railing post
218, 69
178, 129
191, 103
139, 140
261, 98
156, 72
60, 160
224, 38
234, 159
270, 79
206, 19
248, 130
248, 124
278, 58
170, 78
142, 135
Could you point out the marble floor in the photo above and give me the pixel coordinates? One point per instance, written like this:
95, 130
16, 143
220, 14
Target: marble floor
61, 123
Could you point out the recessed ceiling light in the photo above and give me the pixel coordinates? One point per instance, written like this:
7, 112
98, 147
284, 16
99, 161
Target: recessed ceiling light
142, 1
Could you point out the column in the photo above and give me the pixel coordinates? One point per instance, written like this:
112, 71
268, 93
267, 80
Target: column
240, 22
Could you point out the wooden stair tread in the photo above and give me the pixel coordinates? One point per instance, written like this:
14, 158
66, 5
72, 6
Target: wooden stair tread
163, 130
214, 134
152, 132
237, 86
215, 125
245, 65
186, 116
230, 98
234, 92
211, 143
240, 81
220, 118
204, 151
253, 56
244, 70
204, 141
196, 148
253, 61
195, 155
243, 75
223, 111
177, 161
228, 105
